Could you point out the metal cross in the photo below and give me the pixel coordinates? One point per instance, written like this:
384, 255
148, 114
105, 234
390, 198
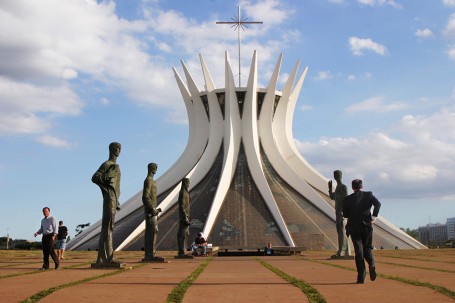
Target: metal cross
239, 22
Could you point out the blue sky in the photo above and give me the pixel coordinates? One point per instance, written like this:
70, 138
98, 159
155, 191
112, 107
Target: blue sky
378, 101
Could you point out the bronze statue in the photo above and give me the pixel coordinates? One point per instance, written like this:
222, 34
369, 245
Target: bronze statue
341, 191
107, 177
151, 215
184, 217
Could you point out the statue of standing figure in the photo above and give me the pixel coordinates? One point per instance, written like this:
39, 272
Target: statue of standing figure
341, 191
107, 177
151, 215
184, 218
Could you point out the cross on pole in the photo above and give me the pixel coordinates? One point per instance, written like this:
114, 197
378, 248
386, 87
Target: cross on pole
239, 22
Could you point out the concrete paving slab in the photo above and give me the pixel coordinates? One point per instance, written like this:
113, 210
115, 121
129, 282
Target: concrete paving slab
241, 279
337, 285
149, 283
448, 266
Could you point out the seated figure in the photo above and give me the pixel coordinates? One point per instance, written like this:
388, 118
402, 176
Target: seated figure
268, 250
199, 243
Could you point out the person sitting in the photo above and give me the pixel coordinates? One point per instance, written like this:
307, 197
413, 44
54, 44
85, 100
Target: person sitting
201, 243
268, 250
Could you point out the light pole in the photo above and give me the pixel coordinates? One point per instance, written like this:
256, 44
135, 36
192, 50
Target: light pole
7, 238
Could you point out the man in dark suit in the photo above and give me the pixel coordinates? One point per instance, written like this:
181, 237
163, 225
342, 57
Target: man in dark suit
357, 208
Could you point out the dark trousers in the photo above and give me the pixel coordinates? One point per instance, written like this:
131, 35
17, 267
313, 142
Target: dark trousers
182, 236
363, 246
151, 234
105, 243
48, 249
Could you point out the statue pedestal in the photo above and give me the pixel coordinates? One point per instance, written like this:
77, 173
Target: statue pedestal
155, 260
337, 257
112, 265
184, 257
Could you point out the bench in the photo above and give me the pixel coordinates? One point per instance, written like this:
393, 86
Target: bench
288, 250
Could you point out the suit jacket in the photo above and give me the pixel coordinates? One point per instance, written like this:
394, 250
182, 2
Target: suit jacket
357, 208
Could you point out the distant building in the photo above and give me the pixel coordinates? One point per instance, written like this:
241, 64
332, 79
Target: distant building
451, 228
433, 234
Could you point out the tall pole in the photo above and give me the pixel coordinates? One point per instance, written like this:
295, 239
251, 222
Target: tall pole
239, 42
239, 23
7, 238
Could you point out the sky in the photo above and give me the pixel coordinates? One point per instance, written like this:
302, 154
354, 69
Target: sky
378, 101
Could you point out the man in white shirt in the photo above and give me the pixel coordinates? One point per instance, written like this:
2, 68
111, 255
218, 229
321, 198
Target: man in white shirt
49, 230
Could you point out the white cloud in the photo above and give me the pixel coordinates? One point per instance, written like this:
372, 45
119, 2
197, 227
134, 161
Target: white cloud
46, 48
22, 123
269, 10
449, 2
54, 142
165, 47
27, 108
43, 49
450, 33
380, 3
365, 76
450, 27
358, 45
190, 37
438, 127
69, 74
451, 52
323, 75
376, 104
424, 33
105, 101
413, 159
50, 54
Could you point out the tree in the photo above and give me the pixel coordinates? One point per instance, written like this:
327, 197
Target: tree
81, 227
412, 232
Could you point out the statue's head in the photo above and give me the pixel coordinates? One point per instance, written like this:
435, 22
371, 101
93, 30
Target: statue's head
152, 168
114, 148
186, 183
357, 184
337, 174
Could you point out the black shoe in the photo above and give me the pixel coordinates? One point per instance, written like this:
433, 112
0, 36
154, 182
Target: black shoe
372, 270
361, 278
57, 266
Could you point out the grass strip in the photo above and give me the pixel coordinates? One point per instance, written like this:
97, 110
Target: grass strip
418, 267
441, 289
21, 274
40, 295
13, 264
39, 271
177, 294
415, 259
312, 293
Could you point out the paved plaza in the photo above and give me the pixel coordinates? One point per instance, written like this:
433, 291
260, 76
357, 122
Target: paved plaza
403, 276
